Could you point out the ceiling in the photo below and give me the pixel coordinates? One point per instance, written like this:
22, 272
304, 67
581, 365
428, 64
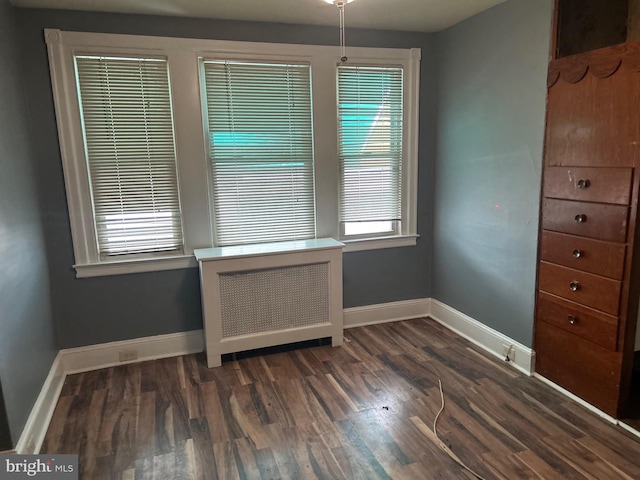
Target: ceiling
409, 15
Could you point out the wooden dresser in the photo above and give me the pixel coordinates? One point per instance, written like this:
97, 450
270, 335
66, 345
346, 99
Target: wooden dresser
587, 299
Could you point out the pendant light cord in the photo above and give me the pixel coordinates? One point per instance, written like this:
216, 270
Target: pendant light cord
343, 47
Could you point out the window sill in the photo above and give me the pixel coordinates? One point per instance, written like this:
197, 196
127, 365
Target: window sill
135, 266
159, 264
379, 243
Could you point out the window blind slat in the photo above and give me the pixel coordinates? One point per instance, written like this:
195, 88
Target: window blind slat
261, 151
128, 127
370, 144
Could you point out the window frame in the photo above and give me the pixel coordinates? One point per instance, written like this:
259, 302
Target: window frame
104, 256
397, 226
191, 140
207, 129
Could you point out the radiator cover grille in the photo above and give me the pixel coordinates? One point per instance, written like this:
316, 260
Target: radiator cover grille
274, 299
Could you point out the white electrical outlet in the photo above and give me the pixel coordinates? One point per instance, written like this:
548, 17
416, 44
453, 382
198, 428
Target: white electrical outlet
127, 355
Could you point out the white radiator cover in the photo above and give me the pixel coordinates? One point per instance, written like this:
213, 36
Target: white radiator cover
270, 294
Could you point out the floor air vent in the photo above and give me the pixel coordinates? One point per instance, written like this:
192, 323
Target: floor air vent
262, 295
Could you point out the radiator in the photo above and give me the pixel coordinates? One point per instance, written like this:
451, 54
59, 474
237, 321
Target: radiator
258, 296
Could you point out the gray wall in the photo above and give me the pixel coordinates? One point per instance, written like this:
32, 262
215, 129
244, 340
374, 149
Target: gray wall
490, 127
26, 328
96, 310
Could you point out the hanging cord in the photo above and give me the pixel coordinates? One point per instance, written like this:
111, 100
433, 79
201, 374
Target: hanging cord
443, 446
343, 47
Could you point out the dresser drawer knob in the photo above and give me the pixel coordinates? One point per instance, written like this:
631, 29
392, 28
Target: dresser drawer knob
573, 320
577, 253
580, 218
574, 286
583, 183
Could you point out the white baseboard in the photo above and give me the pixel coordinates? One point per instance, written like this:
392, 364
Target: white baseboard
576, 399
481, 335
587, 405
105, 355
93, 357
35, 429
629, 428
477, 333
385, 312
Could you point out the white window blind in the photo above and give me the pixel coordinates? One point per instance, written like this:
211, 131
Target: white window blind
261, 151
128, 129
370, 133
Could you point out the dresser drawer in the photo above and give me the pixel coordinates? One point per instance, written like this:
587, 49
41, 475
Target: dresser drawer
604, 185
585, 288
585, 369
604, 222
593, 256
584, 322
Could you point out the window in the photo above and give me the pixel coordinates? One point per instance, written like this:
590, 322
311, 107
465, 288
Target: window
370, 150
261, 151
172, 144
128, 132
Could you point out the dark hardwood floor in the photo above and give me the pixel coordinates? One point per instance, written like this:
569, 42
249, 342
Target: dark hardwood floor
361, 411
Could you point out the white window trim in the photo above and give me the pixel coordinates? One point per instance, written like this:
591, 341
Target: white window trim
120, 267
191, 139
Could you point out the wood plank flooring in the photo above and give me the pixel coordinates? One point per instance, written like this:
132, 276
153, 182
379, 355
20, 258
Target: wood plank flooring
361, 411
